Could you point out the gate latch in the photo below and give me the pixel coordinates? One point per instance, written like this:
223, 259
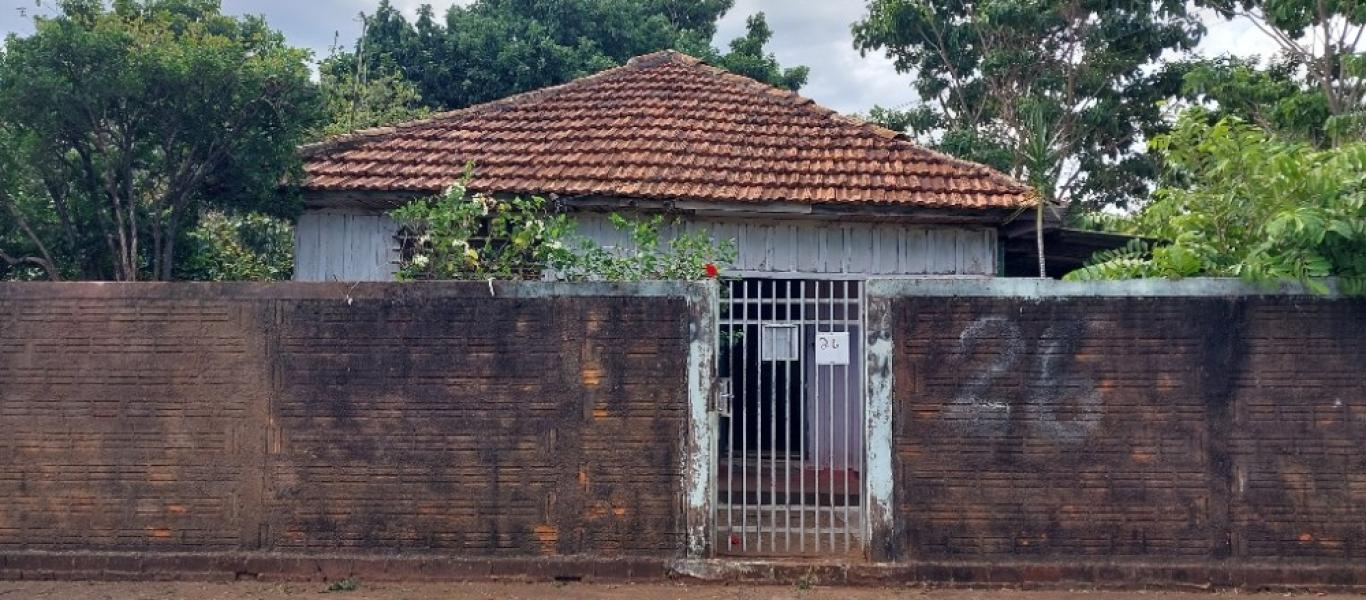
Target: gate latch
723, 397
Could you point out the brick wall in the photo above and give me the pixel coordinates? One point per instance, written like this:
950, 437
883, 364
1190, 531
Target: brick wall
339, 419
1179, 429
436, 421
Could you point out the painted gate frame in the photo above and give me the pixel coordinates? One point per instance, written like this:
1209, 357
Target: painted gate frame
700, 443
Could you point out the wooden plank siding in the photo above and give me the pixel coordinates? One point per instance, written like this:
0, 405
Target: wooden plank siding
846, 248
335, 245
339, 245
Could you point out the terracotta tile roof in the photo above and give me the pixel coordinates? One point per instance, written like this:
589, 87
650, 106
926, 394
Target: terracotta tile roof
664, 126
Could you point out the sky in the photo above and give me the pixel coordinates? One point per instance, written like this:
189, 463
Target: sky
814, 33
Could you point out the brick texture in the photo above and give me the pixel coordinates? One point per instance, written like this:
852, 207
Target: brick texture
435, 431
1181, 429
298, 419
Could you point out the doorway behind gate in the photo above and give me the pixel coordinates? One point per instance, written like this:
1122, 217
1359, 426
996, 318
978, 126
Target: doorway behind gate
790, 443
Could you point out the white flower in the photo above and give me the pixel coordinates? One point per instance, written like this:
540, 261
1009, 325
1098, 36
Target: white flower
421, 260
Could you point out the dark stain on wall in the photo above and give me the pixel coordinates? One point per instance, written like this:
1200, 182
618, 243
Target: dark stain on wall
435, 420
1148, 428
303, 419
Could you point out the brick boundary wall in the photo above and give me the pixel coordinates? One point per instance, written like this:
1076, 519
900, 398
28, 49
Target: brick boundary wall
204, 427
1189, 435
1217, 436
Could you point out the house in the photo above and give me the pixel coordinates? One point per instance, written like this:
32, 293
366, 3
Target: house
804, 192
816, 203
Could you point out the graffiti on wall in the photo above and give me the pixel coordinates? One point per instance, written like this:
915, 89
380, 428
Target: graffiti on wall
1059, 402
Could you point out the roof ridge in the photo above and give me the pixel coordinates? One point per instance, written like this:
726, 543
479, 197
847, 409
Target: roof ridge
348, 140
801, 102
900, 169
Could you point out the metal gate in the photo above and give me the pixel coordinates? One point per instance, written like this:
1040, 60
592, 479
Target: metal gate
790, 442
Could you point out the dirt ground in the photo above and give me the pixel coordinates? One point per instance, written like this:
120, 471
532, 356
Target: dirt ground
573, 591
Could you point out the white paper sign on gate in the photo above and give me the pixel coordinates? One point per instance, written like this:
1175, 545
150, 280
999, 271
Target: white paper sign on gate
832, 348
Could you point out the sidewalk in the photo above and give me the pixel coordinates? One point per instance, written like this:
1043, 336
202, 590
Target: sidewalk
572, 591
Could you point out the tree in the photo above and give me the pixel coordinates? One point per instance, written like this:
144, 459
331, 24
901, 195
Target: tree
747, 57
128, 119
239, 247
995, 75
1314, 90
354, 100
491, 49
1244, 203
1274, 97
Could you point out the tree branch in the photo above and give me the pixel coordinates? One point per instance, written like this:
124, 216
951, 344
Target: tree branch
46, 262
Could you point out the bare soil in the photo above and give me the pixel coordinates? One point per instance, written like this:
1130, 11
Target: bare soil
573, 591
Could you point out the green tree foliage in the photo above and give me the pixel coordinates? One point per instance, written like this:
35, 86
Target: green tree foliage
122, 122
23, 218
354, 100
997, 75
491, 49
1274, 96
747, 57
245, 247
463, 236
1244, 203
1314, 90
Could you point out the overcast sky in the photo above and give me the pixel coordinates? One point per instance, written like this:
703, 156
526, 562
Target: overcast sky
814, 33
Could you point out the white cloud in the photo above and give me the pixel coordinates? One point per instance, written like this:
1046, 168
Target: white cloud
817, 34
1238, 37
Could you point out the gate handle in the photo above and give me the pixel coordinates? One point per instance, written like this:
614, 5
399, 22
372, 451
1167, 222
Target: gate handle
722, 399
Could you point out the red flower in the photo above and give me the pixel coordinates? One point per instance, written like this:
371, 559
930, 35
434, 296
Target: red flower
712, 271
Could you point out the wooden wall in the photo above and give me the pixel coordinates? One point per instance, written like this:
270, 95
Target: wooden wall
847, 248
341, 245
349, 246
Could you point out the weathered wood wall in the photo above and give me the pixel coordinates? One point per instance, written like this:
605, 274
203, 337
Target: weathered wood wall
345, 245
350, 246
806, 247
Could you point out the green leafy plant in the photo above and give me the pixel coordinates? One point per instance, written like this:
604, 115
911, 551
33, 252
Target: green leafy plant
245, 247
648, 256
1240, 202
456, 235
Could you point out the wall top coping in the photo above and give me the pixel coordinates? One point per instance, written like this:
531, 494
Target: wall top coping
1004, 287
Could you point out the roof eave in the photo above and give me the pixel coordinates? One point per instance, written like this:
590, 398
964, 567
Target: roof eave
380, 200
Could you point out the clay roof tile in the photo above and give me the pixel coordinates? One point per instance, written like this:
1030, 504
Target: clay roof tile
666, 125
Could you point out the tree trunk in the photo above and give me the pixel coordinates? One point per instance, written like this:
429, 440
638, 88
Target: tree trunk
45, 260
1038, 239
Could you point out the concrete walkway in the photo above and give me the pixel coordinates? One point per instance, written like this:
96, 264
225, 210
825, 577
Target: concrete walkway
573, 591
